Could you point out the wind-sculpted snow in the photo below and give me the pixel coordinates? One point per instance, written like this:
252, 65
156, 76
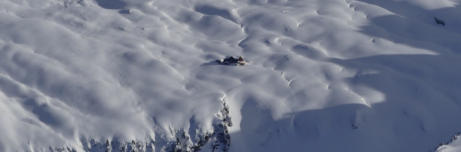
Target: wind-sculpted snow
453, 146
321, 75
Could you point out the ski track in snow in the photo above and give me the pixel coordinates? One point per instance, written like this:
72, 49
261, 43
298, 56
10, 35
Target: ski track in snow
322, 75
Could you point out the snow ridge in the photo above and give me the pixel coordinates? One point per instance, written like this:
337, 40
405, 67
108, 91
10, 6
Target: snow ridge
101, 75
217, 140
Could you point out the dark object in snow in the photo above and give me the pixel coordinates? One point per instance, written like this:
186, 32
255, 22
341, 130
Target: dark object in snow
439, 21
232, 61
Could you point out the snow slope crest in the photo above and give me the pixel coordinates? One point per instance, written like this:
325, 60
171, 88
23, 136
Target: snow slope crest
109, 75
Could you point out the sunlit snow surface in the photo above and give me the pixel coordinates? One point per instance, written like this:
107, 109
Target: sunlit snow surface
322, 75
452, 146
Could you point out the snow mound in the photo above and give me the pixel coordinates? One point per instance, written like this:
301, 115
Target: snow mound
325, 75
453, 146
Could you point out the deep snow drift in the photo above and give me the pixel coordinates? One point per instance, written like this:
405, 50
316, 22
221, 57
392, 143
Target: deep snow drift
322, 75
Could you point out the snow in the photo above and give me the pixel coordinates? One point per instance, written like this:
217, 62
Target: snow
322, 75
453, 146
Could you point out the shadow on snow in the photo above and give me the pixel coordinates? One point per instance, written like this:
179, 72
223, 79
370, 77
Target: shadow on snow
423, 100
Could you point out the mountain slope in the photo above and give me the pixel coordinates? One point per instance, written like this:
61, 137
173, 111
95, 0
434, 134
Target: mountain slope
322, 75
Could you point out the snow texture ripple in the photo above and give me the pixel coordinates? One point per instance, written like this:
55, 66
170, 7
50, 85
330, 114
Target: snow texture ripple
141, 75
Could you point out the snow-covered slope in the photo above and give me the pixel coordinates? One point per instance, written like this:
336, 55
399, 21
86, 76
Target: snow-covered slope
453, 146
322, 75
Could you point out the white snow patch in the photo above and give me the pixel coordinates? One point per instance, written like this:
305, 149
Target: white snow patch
322, 75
